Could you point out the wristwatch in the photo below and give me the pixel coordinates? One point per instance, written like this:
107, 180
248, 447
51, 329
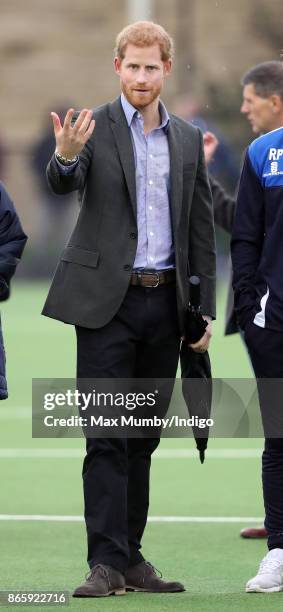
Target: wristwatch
66, 161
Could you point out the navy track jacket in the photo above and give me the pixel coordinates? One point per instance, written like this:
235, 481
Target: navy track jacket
12, 243
257, 236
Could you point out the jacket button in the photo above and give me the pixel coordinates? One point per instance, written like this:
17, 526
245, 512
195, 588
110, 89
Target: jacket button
133, 235
127, 267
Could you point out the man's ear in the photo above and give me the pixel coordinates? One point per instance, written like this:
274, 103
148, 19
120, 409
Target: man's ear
276, 102
117, 64
167, 67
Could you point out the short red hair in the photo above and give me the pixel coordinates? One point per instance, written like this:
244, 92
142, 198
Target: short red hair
144, 34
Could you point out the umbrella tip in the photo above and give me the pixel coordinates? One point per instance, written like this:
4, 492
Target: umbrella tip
201, 455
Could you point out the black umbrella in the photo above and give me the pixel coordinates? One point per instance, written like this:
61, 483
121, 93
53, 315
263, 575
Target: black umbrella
196, 368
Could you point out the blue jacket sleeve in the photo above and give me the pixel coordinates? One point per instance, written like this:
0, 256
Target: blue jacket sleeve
247, 241
12, 241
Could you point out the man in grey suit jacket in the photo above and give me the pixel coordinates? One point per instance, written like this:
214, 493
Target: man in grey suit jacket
145, 223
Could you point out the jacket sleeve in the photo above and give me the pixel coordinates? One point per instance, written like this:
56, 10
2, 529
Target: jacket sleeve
247, 241
62, 183
202, 251
12, 241
223, 205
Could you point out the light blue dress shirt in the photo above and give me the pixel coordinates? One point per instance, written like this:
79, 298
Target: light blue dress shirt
155, 249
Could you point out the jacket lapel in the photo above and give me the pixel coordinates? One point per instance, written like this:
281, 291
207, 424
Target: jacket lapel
176, 171
124, 145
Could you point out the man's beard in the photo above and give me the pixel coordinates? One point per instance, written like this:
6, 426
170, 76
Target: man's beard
137, 100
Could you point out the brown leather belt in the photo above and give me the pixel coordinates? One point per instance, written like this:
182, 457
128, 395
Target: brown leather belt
153, 279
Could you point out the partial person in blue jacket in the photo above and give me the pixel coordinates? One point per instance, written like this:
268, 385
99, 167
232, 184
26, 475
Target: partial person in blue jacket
12, 243
257, 258
263, 107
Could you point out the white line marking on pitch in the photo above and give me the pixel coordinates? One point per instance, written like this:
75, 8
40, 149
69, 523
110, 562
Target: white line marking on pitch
151, 519
163, 453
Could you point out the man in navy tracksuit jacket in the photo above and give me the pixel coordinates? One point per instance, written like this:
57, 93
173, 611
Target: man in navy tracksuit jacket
257, 258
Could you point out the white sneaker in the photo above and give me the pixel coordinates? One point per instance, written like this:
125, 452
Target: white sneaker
270, 574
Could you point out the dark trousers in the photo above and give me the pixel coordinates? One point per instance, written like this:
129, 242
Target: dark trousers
141, 341
265, 347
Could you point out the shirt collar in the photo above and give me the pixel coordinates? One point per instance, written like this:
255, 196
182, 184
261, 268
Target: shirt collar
131, 112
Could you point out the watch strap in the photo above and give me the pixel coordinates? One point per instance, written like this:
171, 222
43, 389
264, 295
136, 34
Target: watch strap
66, 161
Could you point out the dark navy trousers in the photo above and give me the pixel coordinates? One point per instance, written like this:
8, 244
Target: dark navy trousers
265, 348
141, 341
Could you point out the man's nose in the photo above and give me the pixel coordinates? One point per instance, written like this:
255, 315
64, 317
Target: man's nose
141, 76
244, 108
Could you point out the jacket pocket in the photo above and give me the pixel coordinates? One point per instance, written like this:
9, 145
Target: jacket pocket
80, 256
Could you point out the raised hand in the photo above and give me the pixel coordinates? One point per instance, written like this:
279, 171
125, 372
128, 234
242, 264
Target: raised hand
71, 139
210, 143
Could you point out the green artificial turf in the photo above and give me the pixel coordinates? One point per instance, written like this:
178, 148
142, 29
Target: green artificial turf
211, 559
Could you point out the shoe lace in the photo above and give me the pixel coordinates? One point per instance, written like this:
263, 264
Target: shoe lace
89, 576
156, 571
268, 566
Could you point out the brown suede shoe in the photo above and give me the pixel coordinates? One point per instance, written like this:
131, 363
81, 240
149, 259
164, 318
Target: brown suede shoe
254, 533
143, 577
103, 580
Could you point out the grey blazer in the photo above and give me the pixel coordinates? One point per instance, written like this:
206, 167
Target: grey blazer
95, 268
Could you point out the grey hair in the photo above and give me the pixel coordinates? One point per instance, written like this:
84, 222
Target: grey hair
267, 79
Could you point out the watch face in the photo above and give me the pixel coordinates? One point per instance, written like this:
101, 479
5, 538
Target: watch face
64, 161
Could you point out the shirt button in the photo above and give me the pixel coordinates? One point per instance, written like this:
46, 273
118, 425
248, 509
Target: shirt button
151, 259
133, 235
127, 267
150, 182
150, 207
151, 156
151, 233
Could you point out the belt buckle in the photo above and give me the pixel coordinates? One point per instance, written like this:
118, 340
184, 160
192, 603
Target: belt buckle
157, 279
